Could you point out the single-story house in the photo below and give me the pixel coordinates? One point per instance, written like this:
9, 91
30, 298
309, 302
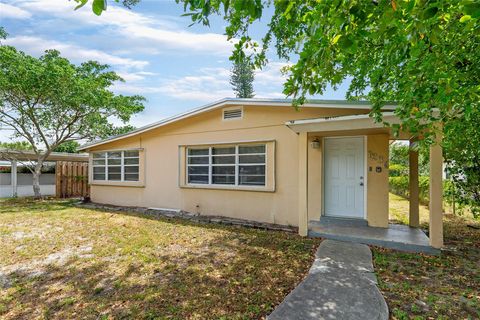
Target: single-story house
261, 160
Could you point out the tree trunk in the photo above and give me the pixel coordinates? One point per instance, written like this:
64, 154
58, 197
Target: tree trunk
36, 179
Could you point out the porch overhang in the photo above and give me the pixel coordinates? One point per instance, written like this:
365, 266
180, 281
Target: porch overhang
343, 123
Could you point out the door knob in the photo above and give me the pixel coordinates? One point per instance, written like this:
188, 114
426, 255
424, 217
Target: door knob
361, 183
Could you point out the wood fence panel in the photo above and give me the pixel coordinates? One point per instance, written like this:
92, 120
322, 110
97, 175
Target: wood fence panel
71, 179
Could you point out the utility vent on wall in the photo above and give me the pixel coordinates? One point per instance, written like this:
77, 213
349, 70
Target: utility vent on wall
229, 114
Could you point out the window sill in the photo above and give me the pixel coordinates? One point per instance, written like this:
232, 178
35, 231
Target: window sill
227, 187
137, 184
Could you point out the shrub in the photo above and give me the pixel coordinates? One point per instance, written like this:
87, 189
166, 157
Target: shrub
400, 186
397, 170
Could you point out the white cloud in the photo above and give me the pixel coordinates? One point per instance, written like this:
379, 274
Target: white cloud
37, 45
209, 84
176, 39
157, 32
12, 12
271, 74
135, 76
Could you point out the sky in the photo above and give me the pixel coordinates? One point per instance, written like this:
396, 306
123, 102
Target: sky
174, 66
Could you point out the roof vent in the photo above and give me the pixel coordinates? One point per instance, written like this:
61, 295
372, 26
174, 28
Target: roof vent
232, 113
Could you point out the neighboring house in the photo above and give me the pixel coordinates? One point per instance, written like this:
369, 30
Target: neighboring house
255, 159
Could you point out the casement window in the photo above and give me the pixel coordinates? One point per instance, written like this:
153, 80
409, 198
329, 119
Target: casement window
236, 165
116, 166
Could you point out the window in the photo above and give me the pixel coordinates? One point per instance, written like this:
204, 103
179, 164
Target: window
116, 165
238, 165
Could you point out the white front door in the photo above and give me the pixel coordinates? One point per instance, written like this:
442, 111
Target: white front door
344, 177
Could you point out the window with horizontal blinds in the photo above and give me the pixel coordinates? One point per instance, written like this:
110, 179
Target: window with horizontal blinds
116, 165
237, 165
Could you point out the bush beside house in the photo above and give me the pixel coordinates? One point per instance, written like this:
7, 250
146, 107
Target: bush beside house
399, 185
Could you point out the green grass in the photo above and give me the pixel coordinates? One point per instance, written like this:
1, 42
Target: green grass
62, 262
418, 286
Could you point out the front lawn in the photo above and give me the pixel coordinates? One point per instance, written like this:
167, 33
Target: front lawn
418, 286
59, 261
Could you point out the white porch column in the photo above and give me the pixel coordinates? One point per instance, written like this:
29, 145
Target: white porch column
414, 217
436, 190
13, 175
302, 183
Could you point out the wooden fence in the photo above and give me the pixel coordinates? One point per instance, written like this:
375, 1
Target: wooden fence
71, 179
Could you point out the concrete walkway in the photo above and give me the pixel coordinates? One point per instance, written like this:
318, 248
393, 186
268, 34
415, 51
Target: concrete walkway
340, 285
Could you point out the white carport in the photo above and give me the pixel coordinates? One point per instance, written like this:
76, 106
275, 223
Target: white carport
15, 184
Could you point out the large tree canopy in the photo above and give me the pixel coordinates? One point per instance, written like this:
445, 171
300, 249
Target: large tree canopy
49, 101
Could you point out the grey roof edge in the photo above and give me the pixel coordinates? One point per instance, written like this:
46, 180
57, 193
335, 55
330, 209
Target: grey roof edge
226, 101
24, 154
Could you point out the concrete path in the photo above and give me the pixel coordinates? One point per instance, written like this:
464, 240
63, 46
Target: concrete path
340, 285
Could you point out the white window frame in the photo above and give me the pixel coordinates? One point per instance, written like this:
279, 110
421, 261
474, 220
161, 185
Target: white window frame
237, 165
122, 166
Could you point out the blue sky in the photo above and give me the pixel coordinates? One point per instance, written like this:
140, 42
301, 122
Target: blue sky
174, 66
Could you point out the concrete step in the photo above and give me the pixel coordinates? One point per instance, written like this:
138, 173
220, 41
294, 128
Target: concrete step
356, 236
343, 221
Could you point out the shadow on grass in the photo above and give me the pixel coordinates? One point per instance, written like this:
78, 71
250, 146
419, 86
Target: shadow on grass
191, 285
257, 235
239, 274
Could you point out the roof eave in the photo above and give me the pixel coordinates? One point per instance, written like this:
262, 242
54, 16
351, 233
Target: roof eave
235, 101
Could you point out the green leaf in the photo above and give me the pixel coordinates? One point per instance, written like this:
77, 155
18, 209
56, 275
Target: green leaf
99, 6
465, 18
226, 5
345, 42
472, 9
336, 38
82, 3
430, 12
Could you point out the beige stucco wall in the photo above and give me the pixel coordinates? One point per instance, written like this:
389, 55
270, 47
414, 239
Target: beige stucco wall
162, 187
377, 182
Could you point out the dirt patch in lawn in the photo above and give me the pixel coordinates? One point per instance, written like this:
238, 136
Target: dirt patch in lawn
447, 286
63, 262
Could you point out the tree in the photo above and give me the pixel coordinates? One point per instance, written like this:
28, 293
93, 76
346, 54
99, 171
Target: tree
16, 145
399, 155
49, 101
68, 147
462, 154
3, 33
115, 131
241, 79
